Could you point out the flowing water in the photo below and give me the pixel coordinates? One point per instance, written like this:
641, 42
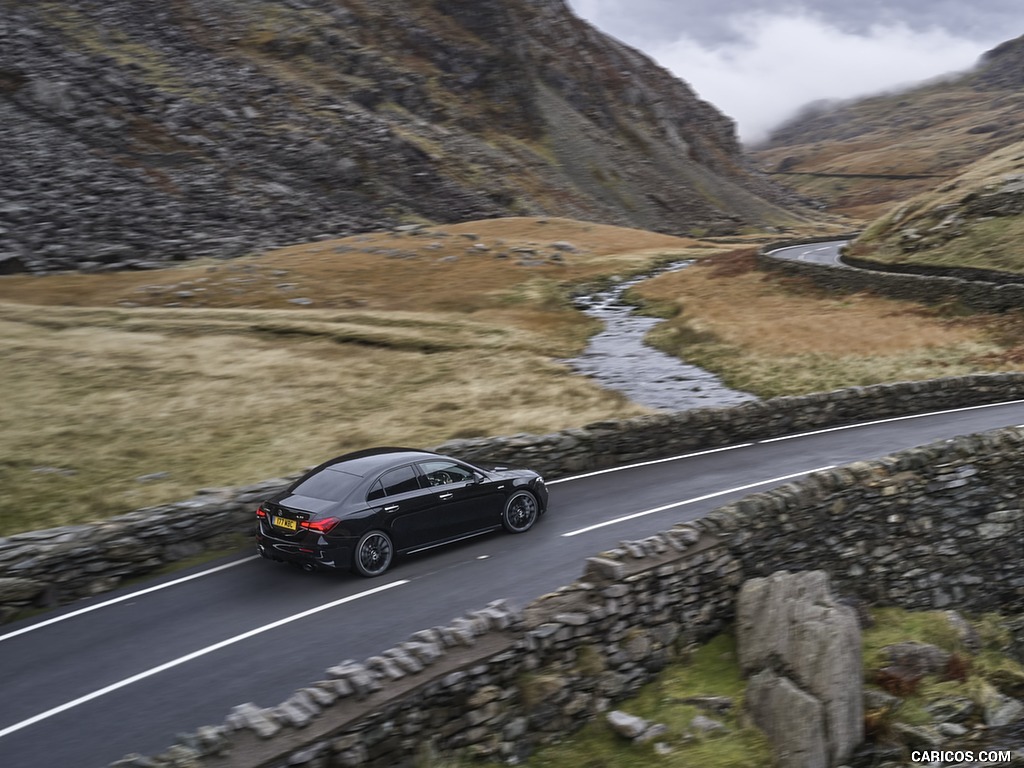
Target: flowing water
617, 358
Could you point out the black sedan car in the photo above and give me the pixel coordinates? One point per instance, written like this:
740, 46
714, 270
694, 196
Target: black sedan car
361, 509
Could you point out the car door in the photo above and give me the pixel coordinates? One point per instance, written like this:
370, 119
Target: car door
468, 502
406, 509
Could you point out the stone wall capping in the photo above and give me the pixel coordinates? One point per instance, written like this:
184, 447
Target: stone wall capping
603, 569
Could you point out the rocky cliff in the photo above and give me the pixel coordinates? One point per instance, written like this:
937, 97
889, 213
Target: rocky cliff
141, 131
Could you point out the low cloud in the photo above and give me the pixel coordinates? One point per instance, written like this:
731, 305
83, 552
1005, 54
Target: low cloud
778, 64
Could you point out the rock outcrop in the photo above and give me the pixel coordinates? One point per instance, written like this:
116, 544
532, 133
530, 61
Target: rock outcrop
138, 132
802, 650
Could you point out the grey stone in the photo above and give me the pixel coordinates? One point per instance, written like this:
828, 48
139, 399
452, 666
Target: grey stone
792, 719
710, 703
918, 658
791, 623
15, 590
921, 737
952, 709
998, 709
706, 724
261, 721
626, 725
952, 730
652, 732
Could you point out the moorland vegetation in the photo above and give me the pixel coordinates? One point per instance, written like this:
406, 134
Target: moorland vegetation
129, 389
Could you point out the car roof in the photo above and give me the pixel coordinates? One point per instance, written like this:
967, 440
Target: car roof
373, 460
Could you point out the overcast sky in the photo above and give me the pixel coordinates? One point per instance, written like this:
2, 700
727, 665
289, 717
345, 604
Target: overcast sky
759, 61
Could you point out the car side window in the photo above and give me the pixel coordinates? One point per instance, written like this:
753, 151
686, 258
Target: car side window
394, 482
445, 472
376, 492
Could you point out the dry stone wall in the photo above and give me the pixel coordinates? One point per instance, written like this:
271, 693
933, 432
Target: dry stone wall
613, 443
60, 565
936, 526
991, 295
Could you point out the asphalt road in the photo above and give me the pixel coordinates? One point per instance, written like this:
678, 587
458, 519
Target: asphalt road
818, 253
127, 671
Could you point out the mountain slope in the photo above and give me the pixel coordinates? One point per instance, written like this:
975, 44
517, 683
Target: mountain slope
139, 131
861, 156
974, 221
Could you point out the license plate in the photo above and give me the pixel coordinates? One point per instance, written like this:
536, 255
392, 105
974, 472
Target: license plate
284, 522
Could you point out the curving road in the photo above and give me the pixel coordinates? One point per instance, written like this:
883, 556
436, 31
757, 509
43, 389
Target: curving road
127, 671
827, 253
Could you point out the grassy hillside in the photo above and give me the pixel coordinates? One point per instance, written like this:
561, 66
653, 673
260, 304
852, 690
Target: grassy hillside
861, 157
974, 220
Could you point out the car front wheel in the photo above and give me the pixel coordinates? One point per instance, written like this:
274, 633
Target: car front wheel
520, 513
373, 554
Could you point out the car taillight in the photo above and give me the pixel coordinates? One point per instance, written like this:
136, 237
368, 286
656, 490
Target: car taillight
320, 526
260, 511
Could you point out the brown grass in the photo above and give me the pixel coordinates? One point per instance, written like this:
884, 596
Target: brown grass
98, 420
774, 336
438, 269
129, 389
120, 393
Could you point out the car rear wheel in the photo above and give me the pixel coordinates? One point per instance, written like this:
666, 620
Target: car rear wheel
373, 554
520, 513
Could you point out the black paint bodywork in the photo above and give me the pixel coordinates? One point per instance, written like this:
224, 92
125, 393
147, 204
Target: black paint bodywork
416, 518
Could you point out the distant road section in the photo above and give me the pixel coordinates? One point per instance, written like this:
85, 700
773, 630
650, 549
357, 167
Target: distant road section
827, 253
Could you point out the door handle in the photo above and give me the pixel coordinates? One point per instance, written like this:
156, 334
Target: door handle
391, 508
446, 495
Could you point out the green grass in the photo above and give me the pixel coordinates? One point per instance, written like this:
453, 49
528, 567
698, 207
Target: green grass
985, 671
712, 670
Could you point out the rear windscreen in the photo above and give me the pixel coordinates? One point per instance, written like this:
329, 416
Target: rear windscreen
329, 485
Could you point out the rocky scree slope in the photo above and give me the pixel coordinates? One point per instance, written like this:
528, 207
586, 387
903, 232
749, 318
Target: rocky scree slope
859, 157
136, 132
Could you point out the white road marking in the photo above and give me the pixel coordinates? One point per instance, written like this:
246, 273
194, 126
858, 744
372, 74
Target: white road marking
681, 457
695, 454
683, 503
121, 599
192, 656
887, 421
649, 463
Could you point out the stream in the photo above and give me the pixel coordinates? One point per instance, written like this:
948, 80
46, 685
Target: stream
618, 359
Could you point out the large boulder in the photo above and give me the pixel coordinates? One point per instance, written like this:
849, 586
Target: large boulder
800, 646
792, 719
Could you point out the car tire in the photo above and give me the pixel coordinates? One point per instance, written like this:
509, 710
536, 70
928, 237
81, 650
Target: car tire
373, 554
521, 512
